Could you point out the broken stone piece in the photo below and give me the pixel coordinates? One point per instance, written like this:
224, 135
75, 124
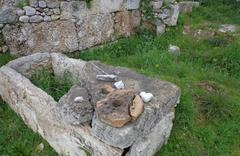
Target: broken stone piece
137, 108
109, 78
119, 85
114, 109
146, 97
174, 49
78, 99
107, 89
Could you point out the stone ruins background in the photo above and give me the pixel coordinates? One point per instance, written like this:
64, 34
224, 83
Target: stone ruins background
31, 26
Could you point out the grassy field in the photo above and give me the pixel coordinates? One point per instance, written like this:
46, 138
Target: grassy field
207, 71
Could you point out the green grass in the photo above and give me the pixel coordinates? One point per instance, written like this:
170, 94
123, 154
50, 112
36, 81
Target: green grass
56, 87
208, 72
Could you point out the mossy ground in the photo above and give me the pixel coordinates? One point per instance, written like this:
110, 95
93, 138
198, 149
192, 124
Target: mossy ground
208, 72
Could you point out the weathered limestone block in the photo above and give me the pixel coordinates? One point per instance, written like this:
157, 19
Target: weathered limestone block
170, 16
132, 4
155, 139
94, 29
123, 25
25, 38
35, 108
75, 112
28, 64
107, 6
74, 9
165, 98
61, 65
187, 6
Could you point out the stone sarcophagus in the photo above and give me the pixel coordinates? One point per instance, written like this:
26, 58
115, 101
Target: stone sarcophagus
110, 111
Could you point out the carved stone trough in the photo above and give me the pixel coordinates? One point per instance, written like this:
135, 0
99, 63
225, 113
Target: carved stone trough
75, 125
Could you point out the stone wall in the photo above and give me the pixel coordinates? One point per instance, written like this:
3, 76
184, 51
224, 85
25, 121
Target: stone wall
31, 26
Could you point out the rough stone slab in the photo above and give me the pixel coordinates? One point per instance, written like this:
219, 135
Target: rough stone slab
73, 112
57, 36
28, 64
35, 107
94, 29
62, 64
132, 4
155, 139
108, 6
165, 98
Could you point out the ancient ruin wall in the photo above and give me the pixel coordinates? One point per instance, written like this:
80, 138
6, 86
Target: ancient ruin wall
31, 26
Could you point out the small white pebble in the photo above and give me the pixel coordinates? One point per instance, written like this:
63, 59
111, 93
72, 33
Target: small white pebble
146, 97
119, 85
78, 99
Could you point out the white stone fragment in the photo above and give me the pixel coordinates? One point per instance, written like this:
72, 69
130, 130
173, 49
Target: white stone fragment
119, 85
78, 99
106, 77
146, 97
174, 49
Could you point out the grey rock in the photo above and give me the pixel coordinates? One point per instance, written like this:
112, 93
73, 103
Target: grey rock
174, 49
132, 4
153, 141
42, 4
94, 29
226, 28
46, 18
73, 112
4, 49
33, 3
53, 3
24, 19
27, 65
73, 9
61, 64
36, 19
161, 28
1, 26
56, 11
8, 16
55, 17
172, 15
30, 11
156, 4
20, 12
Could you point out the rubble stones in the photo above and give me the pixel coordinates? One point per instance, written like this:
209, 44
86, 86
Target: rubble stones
107, 89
